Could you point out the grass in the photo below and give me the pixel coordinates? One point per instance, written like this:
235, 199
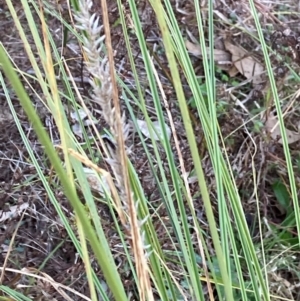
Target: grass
170, 220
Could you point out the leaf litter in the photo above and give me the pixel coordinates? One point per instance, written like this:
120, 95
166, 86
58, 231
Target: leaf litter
272, 126
233, 59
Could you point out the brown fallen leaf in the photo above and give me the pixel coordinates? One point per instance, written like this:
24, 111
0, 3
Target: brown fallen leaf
221, 57
272, 126
232, 72
245, 64
194, 49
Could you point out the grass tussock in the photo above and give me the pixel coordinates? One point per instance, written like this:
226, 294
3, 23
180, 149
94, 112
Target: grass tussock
150, 150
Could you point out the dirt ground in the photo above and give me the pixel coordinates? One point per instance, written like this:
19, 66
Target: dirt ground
42, 243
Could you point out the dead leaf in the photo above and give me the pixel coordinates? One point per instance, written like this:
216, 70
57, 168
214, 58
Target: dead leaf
95, 182
81, 115
245, 64
13, 212
194, 49
232, 72
221, 57
272, 126
145, 130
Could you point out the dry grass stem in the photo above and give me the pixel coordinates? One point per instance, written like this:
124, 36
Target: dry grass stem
105, 93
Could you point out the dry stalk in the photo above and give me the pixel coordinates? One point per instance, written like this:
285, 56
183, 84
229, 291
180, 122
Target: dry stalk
105, 93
